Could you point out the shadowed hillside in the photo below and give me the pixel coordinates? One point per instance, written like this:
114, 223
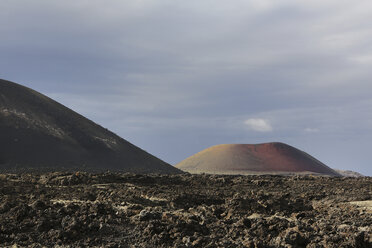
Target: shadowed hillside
268, 158
36, 132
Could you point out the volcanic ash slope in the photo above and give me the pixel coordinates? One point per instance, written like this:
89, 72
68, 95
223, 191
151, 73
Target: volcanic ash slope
38, 133
267, 158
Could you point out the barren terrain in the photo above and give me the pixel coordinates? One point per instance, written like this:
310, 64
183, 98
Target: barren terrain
39, 133
247, 159
128, 210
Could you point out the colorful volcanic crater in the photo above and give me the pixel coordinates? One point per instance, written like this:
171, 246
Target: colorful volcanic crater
267, 158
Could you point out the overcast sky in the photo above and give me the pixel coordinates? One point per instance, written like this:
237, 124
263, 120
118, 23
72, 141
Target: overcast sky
175, 77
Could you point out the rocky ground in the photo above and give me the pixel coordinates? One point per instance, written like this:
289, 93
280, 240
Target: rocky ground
126, 210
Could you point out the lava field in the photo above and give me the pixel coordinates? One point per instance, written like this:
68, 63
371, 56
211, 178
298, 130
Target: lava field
128, 210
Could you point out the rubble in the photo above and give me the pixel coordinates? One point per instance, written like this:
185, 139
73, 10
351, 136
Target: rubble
128, 210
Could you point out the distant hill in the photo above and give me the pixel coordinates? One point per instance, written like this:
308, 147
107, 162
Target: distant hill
268, 158
38, 133
349, 173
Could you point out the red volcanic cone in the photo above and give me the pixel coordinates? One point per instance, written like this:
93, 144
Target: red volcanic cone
268, 158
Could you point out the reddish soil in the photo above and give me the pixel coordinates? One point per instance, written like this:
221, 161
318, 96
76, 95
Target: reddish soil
243, 158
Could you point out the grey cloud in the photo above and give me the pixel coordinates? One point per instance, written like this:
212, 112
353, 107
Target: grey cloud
176, 76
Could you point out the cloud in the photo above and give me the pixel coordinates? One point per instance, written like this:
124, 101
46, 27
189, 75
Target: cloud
362, 59
259, 125
311, 130
200, 68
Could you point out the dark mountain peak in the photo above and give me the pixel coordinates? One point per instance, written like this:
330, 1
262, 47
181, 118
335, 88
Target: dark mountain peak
38, 132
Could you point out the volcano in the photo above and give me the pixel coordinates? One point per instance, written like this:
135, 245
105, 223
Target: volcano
38, 133
267, 158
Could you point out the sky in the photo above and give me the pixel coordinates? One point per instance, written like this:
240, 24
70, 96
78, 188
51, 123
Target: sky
175, 77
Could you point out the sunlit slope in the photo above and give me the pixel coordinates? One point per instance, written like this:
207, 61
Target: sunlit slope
268, 158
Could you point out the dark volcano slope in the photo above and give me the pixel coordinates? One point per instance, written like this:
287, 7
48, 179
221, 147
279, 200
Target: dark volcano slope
268, 158
38, 133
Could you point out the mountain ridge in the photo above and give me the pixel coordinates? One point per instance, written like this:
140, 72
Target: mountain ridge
38, 132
